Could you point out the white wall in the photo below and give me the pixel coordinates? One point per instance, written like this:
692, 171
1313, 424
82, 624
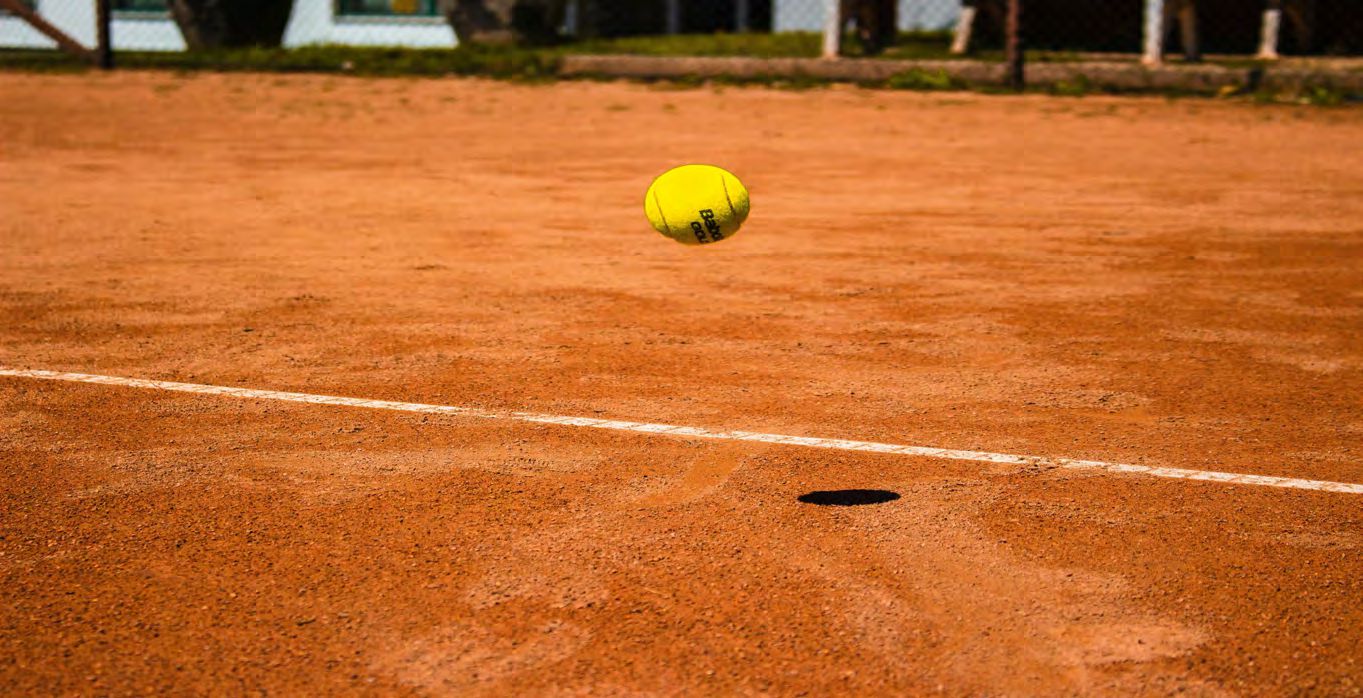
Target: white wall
310, 23
17, 34
807, 15
146, 34
139, 34
76, 19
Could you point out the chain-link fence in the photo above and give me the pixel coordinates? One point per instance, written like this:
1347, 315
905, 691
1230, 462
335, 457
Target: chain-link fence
1189, 28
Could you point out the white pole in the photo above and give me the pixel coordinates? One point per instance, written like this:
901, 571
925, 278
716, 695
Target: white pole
673, 16
1154, 32
832, 28
741, 14
965, 24
1268, 42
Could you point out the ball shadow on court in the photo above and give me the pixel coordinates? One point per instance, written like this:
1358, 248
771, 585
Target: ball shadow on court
848, 498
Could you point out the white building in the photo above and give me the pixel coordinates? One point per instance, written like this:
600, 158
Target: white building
145, 25
808, 15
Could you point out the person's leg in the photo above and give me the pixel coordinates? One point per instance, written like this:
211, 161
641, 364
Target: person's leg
1301, 14
965, 27
1269, 28
1187, 23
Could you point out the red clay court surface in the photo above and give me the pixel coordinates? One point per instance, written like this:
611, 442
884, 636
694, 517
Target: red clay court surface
1137, 281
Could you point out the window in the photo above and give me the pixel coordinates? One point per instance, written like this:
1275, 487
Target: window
147, 7
387, 8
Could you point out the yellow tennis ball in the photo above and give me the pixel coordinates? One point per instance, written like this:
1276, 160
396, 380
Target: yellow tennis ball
696, 204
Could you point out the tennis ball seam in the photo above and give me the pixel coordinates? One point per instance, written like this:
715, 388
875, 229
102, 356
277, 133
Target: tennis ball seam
658, 202
725, 184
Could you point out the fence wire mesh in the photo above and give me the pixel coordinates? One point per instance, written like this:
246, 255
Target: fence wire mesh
1187, 28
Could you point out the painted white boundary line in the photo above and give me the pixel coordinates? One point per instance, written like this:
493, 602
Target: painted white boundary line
695, 432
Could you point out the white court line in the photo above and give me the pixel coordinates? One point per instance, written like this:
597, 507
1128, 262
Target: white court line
673, 430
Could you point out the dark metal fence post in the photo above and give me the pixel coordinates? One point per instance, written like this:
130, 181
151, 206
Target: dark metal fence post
1013, 47
103, 18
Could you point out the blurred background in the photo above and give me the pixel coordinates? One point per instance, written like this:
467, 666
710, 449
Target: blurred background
911, 28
